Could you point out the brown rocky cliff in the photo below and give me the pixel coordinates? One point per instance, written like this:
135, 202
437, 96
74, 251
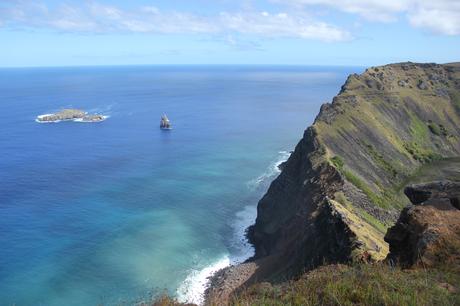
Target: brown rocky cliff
339, 190
427, 234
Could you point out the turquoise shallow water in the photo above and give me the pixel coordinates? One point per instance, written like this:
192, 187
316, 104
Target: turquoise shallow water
118, 211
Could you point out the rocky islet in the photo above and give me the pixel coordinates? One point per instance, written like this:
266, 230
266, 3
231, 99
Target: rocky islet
70, 115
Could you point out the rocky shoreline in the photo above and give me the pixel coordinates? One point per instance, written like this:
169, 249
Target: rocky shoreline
70, 115
226, 281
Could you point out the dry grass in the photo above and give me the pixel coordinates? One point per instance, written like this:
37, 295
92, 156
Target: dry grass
360, 285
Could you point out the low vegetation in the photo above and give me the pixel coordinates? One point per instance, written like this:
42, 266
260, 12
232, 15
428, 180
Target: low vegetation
380, 160
385, 200
437, 129
420, 154
364, 284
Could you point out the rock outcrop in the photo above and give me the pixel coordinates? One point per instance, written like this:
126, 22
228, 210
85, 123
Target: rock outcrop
427, 234
340, 189
71, 115
443, 194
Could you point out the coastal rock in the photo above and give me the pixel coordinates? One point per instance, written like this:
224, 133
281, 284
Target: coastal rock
71, 115
93, 118
65, 114
226, 281
427, 234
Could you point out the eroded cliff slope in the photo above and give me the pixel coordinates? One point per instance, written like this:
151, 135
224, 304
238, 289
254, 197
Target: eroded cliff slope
342, 186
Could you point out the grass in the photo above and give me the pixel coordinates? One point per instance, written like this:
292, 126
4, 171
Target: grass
420, 154
434, 128
363, 284
385, 200
381, 200
163, 300
418, 129
372, 221
338, 162
342, 199
455, 97
437, 129
380, 160
369, 238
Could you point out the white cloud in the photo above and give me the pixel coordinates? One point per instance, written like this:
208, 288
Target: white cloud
94, 17
379, 10
441, 16
282, 25
438, 16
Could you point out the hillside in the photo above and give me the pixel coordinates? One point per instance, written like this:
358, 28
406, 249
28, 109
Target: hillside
342, 187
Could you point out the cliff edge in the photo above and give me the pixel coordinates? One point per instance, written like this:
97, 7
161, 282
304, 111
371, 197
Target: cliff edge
343, 185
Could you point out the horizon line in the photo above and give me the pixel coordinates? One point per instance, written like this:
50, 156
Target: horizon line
178, 65
218, 65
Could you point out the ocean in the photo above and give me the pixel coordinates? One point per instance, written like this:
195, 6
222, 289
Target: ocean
119, 211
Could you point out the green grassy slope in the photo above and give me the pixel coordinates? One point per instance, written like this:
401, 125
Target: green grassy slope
388, 123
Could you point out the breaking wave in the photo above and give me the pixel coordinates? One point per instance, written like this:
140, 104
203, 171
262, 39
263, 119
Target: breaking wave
271, 172
192, 289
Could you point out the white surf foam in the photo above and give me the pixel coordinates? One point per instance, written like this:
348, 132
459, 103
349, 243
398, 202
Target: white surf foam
192, 289
45, 115
74, 120
89, 121
271, 171
242, 248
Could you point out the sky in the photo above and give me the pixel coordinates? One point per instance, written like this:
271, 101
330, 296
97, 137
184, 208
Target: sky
275, 32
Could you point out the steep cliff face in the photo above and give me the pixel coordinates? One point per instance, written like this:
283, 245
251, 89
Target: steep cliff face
342, 186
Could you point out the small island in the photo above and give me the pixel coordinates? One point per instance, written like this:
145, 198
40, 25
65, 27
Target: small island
70, 115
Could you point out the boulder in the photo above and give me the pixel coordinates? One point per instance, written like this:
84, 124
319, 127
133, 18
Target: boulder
434, 193
422, 85
427, 234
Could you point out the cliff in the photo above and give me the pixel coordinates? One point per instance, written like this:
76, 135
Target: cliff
343, 185
422, 267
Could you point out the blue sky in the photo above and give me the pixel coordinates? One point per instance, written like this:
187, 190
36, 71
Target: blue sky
294, 32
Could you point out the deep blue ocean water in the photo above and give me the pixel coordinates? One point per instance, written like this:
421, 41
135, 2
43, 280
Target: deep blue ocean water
117, 211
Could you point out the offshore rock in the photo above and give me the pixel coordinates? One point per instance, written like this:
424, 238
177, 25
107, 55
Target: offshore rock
71, 115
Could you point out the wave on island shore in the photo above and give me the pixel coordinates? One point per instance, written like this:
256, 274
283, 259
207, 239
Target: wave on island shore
193, 288
37, 119
104, 117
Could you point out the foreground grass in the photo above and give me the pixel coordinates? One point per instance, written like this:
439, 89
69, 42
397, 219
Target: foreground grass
360, 285
164, 300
